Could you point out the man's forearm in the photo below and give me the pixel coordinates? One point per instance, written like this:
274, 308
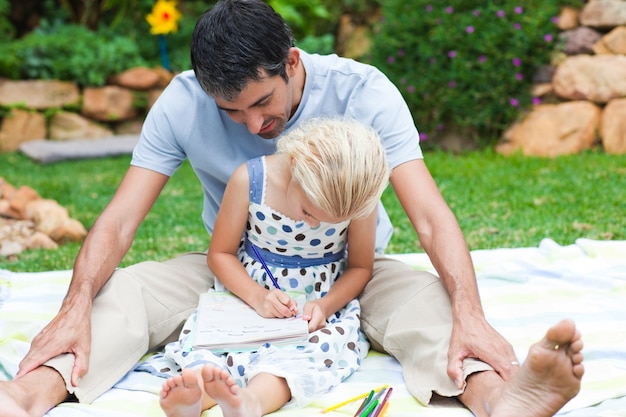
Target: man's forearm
439, 234
100, 254
448, 252
112, 234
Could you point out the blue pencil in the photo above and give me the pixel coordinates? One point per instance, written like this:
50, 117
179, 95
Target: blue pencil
267, 268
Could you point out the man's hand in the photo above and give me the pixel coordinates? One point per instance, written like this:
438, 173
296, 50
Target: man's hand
474, 337
68, 332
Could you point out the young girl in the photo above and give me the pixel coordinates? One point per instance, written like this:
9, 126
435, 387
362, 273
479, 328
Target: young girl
310, 211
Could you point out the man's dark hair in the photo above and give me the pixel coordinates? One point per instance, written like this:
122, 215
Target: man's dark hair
233, 41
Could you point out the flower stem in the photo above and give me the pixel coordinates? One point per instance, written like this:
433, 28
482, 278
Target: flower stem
165, 62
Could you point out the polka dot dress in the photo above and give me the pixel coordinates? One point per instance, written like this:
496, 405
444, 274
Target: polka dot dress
302, 259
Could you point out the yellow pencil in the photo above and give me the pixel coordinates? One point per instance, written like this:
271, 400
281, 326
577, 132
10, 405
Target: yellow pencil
358, 397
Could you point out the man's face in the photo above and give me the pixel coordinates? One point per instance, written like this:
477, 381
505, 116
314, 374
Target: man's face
264, 106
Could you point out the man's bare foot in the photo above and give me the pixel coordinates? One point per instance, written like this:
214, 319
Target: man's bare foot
33, 394
549, 377
9, 398
181, 395
234, 401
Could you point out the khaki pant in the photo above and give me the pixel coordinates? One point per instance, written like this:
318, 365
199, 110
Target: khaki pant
405, 313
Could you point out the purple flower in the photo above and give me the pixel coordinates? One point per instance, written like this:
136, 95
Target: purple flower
432, 61
514, 102
517, 62
400, 52
391, 59
402, 80
429, 8
452, 54
548, 38
469, 29
519, 76
410, 89
517, 26
482, 59
500, 13
452, 84
555, 20
536, 101
423, 136
476, 12
519, 10
449, 10
440, 127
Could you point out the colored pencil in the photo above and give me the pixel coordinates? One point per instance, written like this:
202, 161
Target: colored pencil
358, 397
363, 404
379, 393
267, 268
369, 409
384, 410
383, 404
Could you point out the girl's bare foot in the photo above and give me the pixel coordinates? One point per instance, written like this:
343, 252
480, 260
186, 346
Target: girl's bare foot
234, 401
181, 395
549, 377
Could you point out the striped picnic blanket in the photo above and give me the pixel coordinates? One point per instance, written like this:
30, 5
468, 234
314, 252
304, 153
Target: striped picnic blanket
524, 291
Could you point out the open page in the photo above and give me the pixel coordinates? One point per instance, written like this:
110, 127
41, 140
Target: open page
227, 324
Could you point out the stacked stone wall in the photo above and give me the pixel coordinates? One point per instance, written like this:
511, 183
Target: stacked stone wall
61, 110
582, 93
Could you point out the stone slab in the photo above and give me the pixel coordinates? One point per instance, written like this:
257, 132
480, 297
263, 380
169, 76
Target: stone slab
48, 151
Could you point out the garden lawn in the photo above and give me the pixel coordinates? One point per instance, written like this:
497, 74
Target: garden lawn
499, 201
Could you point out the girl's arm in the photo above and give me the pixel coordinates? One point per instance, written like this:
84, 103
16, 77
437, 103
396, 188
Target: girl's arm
358, 272
222, 258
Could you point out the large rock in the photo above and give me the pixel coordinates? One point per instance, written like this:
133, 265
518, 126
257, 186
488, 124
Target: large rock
38, 94
70, 126
604, 14
21, 126
29, 221
110, 103
613, 127
613, 42
53, 220
554, 129
568, 18
355, 39
595, 78
14, 204
138, 78
580, 40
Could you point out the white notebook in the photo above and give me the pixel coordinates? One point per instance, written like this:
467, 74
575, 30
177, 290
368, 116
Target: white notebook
227, 324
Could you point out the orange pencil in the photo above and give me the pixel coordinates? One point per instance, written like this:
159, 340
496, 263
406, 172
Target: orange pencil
383, 403
382, 412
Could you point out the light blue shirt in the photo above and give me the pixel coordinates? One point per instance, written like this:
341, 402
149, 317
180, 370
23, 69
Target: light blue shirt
186, 123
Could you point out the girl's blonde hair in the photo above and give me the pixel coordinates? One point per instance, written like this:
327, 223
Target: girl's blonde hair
340, 164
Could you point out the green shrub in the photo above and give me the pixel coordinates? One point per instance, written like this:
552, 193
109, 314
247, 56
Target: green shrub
465, 65
6, 28
68, 52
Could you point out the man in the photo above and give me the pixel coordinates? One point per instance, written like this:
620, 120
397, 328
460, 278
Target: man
249, 85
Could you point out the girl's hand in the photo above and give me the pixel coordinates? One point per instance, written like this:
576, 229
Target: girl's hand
314, 314
276, 303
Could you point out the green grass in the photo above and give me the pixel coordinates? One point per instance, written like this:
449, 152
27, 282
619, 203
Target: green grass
500, 202
516, 201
